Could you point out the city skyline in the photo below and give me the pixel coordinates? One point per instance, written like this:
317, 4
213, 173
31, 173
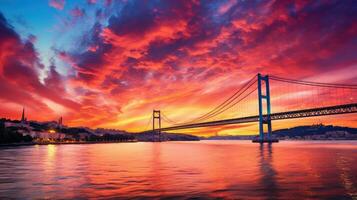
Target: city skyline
110, 63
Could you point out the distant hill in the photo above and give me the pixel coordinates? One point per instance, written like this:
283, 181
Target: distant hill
313, 132
229, 137
149, 136
318, 132
13, 131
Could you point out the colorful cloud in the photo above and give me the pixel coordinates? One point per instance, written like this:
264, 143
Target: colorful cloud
124, 58
58, 4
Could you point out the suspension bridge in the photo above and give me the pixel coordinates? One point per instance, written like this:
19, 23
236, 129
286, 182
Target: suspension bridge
264, 99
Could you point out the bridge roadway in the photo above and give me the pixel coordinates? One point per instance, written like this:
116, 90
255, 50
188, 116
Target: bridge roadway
331, 110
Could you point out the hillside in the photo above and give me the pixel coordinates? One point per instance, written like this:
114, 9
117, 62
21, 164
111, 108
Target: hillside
313, 132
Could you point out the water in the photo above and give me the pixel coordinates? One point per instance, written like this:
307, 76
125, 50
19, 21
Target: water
206, 169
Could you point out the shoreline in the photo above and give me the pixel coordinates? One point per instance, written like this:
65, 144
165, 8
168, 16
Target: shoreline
62, 143
134, 141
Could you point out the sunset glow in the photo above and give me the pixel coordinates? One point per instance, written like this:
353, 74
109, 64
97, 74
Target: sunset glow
110, 63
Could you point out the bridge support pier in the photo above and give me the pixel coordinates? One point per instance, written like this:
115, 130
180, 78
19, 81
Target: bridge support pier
156, 115
264, 119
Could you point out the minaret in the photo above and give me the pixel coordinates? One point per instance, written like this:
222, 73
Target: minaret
23, 120
60, 122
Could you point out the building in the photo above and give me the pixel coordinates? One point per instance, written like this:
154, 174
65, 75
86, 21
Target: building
23, 119
60, 122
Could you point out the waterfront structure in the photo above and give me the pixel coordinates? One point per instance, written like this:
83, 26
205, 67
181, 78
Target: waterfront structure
265, 115
156, 115
60, 122
23, 118
264, 119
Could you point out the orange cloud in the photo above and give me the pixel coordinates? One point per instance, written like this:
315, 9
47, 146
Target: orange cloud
184, 58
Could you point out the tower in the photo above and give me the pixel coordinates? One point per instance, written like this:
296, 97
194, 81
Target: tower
264, 118
23, 119
156, 115
60, 122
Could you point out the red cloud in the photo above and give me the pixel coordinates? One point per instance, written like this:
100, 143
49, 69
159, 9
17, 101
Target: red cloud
20, 67
91, 1
183, 57
180, 57
77, 12
58, 4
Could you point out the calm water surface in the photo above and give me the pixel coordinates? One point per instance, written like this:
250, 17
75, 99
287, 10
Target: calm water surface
206, 169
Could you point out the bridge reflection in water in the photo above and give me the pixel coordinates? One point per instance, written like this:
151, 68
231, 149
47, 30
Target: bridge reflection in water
268, 179
205, 169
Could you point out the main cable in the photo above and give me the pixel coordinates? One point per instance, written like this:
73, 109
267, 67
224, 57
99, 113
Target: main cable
310, 83
227, 106
226, 102
240, 100
168, 120
147, 126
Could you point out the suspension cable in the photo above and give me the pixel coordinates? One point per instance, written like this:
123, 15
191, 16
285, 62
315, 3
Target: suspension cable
310, 83
229, 105
240, 100
228, 101
168, 120
232, 100
147, 126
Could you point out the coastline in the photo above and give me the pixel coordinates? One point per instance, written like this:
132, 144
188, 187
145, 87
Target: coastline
134, 141
62, 143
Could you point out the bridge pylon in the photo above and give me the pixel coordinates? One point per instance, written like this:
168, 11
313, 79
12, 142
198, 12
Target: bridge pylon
156, 115
264, 117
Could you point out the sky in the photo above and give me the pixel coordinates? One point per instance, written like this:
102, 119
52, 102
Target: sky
107, 63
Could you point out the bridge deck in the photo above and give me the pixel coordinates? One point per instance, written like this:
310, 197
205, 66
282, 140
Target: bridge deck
331, 110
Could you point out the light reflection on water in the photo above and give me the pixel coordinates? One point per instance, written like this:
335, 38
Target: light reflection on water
207, 169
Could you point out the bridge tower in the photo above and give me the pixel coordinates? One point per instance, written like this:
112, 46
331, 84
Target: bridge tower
264, 117
156, 115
